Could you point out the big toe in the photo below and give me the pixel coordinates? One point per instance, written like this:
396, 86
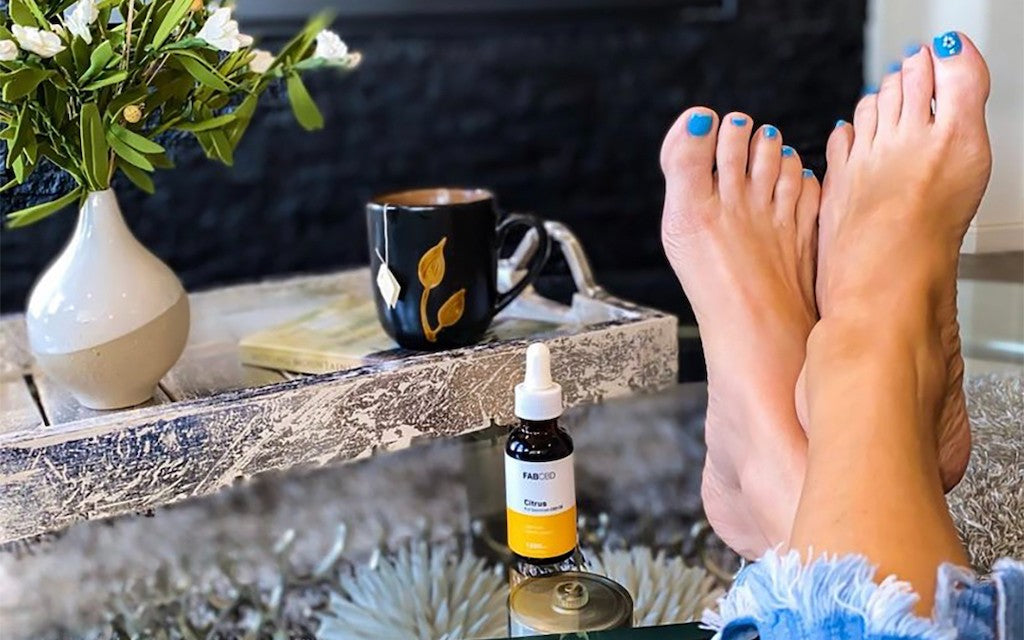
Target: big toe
688, 152
688, 161
961, 81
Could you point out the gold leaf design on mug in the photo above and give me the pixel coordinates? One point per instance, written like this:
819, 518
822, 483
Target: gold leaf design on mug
431, 267
451, 310
431, 274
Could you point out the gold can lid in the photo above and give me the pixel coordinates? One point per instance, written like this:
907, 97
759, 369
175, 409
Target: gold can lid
571, 601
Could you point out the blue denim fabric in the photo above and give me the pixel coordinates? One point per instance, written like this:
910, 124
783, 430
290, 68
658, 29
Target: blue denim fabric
782, 598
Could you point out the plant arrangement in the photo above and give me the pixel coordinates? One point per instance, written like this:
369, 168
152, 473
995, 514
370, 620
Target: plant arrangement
91, 85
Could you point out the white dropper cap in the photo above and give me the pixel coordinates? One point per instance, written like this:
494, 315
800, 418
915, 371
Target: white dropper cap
538, 397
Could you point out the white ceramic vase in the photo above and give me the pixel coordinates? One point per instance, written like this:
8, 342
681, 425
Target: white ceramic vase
107, 319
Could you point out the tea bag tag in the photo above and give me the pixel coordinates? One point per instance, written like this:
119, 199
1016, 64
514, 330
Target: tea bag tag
387, 284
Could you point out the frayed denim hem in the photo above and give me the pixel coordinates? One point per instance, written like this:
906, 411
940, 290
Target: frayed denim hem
781, 597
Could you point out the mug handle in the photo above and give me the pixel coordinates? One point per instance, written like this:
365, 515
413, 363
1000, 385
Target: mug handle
536, 263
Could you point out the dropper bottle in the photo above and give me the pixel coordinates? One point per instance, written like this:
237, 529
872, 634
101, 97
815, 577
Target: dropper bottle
540, 485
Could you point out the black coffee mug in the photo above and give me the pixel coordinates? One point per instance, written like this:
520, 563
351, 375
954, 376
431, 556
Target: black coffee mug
439, 252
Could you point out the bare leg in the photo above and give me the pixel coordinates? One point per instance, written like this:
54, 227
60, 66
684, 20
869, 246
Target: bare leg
883, 364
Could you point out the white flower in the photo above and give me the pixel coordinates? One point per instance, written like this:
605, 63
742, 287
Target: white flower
329, 46
8, 50
352, 60
42, 43
221, 31
261, 61
79, 16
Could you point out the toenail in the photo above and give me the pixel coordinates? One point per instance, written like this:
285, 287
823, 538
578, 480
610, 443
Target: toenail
870, 89
738, 121
948, 44
840, 123
770, 132
808, 173
911, 49
788, 151
699, 124
895, 67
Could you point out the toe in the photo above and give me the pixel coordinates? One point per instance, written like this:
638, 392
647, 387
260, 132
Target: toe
731, 156
839, 143
918, 89
788, 186
961, 81
688, 153
807, 230
865, 122
890, 101
765, 162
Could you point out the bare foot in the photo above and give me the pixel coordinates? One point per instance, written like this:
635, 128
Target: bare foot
741, 240
901, 189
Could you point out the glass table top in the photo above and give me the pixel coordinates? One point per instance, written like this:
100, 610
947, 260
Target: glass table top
407, 544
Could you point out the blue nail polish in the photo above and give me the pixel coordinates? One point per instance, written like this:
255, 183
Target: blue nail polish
869, 89
738, 121
840, 123
895, 67
808, 173
699, 124
788, 151
770, 132
911, 49
948, 44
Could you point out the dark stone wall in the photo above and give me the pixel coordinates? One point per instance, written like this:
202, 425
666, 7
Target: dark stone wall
562, 115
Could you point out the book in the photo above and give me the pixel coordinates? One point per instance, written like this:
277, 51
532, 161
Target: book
341, 335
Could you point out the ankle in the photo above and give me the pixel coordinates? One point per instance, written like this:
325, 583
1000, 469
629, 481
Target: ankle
849, 353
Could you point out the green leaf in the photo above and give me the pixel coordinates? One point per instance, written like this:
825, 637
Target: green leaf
98, 60
138, 177
40, 211
206, 125
128, 154
105, 81
62, 161
305, 110
173, 17
160, 160
26, 13
10, 185
124, 99
216, 146
80, 52
296, 48
186, 43
23, 134
134, 140
23, 82
20, 168
94, 148
144, 29
201, 72
243, 115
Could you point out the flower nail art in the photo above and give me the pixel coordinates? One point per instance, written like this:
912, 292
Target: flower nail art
948, 44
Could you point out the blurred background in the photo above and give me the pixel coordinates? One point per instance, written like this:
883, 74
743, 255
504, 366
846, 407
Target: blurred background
559, 106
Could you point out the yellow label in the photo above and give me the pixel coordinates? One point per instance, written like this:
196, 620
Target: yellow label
541, 507
542, 536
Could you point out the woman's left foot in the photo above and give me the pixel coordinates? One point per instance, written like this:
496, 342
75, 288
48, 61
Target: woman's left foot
741, 239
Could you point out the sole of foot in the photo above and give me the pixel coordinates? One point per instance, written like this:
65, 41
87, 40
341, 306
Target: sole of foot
740, 228
903, 184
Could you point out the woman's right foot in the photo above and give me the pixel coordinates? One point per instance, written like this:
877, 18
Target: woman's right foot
901, 189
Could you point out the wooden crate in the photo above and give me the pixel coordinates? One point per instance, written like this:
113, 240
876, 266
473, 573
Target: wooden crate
214, 421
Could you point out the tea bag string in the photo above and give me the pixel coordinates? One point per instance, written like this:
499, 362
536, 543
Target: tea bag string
386, 253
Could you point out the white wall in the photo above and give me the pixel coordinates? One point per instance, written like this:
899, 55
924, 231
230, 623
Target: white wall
997, 27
